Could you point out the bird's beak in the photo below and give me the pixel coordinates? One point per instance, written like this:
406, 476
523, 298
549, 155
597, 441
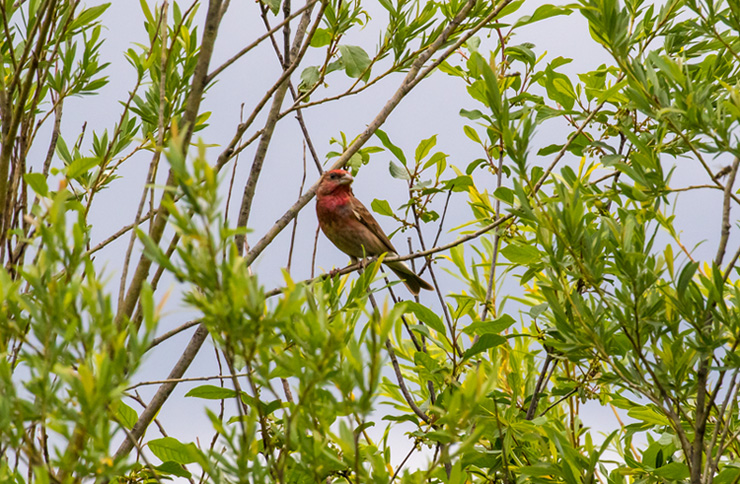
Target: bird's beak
346, 179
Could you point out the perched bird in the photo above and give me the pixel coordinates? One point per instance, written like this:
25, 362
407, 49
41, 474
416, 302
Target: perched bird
350, 226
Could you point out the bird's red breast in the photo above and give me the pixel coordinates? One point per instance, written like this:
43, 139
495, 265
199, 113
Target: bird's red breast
352, 228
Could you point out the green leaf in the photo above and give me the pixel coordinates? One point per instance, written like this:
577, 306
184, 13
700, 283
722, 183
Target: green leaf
355, 60
124, 414
424, 360
420, 329
648, 415
146, 11
382, 207
155, 253
472, 134
505, 194
171, 449
610, 160
543, 12
459, 183
63, 151
439, 159
494, 97
559, 87
362, 427
309, 78
37, 182
473, 43
522, 53
450, 70
88, 16
489, 327
550, 149
81, 165
521, 254
424, 147
669, 259
321, 38
398, 172
397, 152
273, 4
675, 471
728, 475
687, 273
173, 469
211, 392
426, 315
272, 406
537, 310
510, 8
472, 115
485, 342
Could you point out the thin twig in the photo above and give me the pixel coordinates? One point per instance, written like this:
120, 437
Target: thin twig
258, 41
413, 77
299, 49
140, 450
415, 255
397, 370
712, 463
188, 120
541, 382
490, 297
726, 226
403, 462
157, 151
402, 383
169, 334
315, 249
164, 391
295, 220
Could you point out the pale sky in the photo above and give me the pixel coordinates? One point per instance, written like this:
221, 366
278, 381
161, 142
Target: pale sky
432, 108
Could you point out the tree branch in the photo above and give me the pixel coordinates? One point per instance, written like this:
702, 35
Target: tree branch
195, 97
299, 49
413, 77
163, 392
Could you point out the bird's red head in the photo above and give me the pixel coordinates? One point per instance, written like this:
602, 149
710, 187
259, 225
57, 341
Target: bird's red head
334, 181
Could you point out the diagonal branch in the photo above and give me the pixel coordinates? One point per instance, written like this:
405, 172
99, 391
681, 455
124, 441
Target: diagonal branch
414, 76
298, 51
163, 392
195, 97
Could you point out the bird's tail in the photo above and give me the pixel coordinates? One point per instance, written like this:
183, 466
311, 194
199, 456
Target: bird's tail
413, 282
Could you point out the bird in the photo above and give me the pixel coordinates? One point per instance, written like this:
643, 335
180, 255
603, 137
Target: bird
352, 229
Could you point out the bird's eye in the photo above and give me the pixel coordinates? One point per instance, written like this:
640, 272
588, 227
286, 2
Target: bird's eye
334, 176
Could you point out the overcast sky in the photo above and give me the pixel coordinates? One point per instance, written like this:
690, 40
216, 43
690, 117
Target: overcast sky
432, 108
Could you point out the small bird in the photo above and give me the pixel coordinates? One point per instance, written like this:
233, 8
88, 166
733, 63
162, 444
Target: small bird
350, 226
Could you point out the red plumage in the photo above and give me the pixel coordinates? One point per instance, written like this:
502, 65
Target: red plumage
352, 228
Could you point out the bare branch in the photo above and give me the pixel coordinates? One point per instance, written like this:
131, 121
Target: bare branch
169, 334
195, 97
163, 392
415, 255
726, 226
258, 41
299, 49
414, 76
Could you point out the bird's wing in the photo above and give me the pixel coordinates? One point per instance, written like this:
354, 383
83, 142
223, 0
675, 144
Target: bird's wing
365, 218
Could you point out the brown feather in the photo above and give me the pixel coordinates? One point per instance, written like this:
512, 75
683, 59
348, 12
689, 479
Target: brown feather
353, 229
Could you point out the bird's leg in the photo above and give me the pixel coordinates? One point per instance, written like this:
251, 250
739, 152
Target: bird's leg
362, 261
335, 271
